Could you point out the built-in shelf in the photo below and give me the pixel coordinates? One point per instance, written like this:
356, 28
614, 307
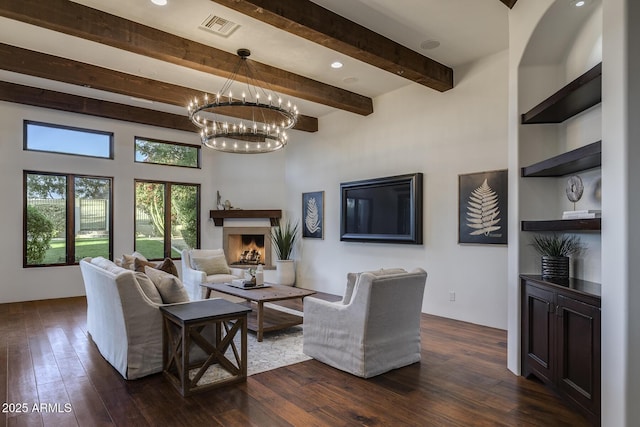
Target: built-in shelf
218, 217
577, 160
577, 96
593, 224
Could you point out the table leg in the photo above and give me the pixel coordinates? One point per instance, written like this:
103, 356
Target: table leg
260, 319
243, 351
207, 294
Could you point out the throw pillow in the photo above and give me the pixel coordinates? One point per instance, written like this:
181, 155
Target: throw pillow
203, 253
127, 260
167, 266
212, 265
387, 271
148, 288
170, 287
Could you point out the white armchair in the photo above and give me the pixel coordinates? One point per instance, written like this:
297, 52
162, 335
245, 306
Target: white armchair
374, 329
193, 278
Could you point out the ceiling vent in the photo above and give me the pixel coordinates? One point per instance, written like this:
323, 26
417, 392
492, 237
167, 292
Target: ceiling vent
220, 26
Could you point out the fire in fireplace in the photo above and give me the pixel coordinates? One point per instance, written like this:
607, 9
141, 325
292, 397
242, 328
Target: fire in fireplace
247, 246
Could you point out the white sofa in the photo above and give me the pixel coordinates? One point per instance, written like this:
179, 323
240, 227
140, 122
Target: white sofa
374, 329
192, 278
123, 319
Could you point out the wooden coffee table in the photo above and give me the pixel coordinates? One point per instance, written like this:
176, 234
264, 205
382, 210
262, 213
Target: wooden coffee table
263, 319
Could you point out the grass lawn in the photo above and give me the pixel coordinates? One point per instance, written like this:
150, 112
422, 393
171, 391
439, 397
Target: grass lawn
151, 248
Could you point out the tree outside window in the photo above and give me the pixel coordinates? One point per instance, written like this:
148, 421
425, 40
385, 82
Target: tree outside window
167, 218
67, 217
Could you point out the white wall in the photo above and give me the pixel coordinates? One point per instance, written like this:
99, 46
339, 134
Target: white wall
621, 232
247, 181
413, 129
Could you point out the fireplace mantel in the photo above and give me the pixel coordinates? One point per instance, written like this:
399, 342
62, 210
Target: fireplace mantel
218, 217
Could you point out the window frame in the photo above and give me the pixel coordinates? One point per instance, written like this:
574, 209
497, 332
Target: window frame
70, 221
167, 213
25, 143
159, 141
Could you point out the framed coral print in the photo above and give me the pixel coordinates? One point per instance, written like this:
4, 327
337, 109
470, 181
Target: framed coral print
313, 215
482, 208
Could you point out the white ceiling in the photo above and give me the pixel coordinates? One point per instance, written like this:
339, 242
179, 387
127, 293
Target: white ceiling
466, 30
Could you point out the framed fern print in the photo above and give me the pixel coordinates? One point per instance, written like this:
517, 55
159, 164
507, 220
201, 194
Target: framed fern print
313, 215
482, 208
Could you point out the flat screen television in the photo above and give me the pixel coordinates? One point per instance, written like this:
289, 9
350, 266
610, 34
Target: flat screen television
383, 210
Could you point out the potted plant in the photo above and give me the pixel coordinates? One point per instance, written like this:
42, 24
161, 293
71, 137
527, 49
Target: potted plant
283, 238
555, 251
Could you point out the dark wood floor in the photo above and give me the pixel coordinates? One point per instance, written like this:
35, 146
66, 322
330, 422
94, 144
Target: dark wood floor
46, 357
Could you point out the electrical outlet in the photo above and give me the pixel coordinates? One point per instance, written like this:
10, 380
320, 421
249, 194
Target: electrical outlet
452, 296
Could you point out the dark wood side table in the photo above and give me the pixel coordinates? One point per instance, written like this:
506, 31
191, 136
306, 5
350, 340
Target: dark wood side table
189, 326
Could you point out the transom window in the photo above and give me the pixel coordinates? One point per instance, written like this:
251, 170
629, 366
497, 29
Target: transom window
67, 140
167, 153
67, 217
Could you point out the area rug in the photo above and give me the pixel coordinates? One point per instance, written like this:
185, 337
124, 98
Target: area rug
277, 349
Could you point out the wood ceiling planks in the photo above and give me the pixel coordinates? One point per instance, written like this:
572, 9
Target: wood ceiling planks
81, 21
509, 3
51, 67
38, 97
319, 25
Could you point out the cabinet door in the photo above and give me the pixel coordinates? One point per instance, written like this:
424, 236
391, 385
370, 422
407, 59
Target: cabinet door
579, 352
538, 326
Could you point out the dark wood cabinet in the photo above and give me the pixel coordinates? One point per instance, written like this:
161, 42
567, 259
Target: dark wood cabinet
561, 339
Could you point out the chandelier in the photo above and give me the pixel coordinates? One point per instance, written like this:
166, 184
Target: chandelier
254, 123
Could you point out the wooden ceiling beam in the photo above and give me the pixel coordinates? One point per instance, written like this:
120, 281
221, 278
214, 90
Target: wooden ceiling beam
81, 21
51, 67
509, 3
12, 92
319, 25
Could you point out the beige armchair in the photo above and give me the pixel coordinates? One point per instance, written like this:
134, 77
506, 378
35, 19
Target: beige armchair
374, 329
192, 277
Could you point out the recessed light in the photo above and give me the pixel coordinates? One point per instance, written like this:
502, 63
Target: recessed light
350, 80
579, 3
336, 64
429, 44
159, 2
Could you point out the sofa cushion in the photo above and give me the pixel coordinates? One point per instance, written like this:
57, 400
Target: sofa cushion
170, 287
203, 253
148, 287
167, 266
107, 265
211, 265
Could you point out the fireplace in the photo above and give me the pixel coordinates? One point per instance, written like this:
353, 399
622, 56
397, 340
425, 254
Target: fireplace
247, 247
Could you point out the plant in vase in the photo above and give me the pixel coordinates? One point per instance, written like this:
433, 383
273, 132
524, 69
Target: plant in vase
555, 251
283, 238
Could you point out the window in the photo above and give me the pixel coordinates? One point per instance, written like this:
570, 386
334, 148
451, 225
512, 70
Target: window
167, 218
67, 217
167, 153
67, 140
